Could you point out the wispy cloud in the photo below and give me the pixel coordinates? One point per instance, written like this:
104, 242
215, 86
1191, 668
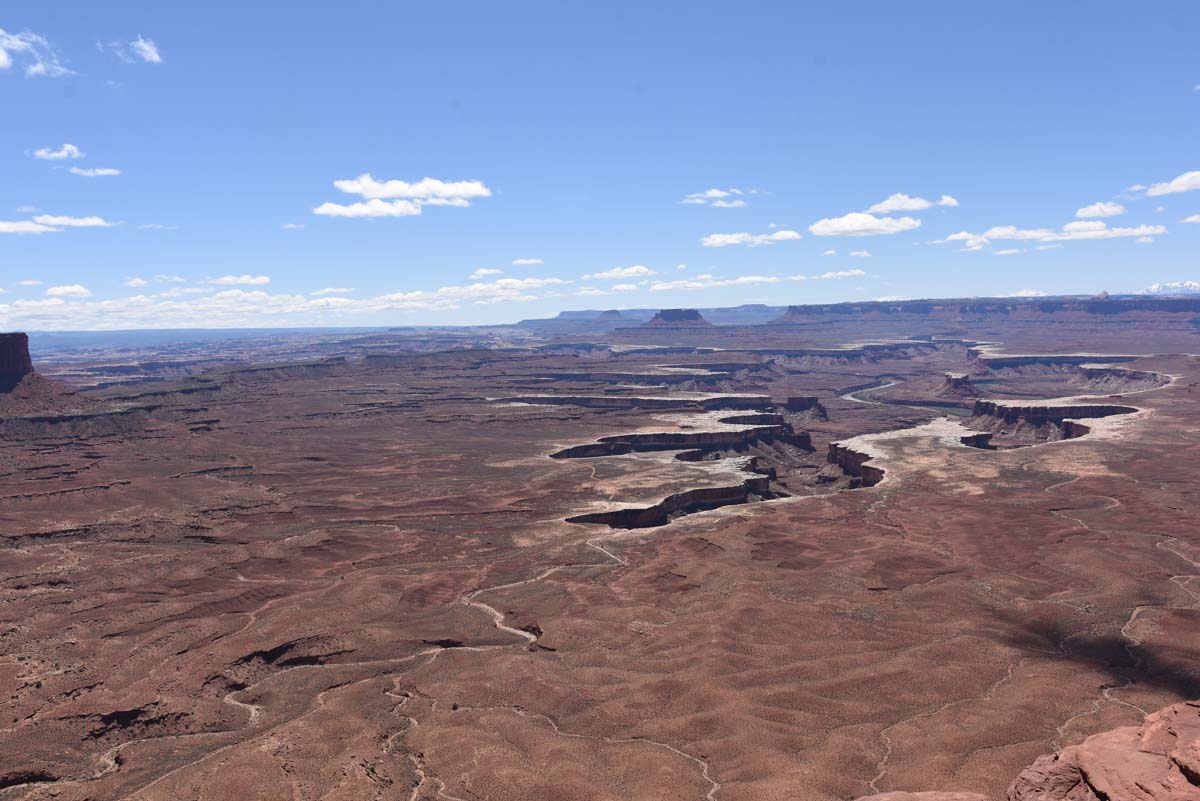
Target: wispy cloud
1072, 231
241, 280
59, 220
331, 290
753, 240
67, 151
718, 198
636, 271
94, 172
33, 52
484, 272
69, 291
526, 262
831, 275
139, 49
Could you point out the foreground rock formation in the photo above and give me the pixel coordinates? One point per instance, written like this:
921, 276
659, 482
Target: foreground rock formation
15, 363
1156, 761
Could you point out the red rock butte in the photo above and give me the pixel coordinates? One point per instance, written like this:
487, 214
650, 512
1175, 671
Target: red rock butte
677, 318
14, 356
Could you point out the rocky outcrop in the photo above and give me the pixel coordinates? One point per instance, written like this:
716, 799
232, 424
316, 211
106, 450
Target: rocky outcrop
1011, 426
854, 463
806, 404
683, 503
676, 318
748, 402
721, 440
957, 386
1156, 761
1047, 413
15, 363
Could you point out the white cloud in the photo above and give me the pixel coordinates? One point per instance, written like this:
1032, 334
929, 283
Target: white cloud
331, 290
136, 282
1187, 182
158, 227
371, 208
1025, 293
526, 262
861, 254
1079, 229
422, 190
1144, 240
292, 226
25, 227
624, 288
67, 151
892, 299
484, 272
169, 279
1195, 218
241, 280
636, 271
753, 240
1009, 252
140, 49
39, 58
858, 223
72, 222
29, 282
709, 282
69, 291
903, 202
718, 198
829, 253
1103, 208
680, 268
1047, 247
832, 274
1173, 288
189, 307
94, 172
401, 198
589, 291
146, 50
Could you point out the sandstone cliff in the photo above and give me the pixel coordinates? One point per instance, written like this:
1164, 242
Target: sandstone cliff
1156, 761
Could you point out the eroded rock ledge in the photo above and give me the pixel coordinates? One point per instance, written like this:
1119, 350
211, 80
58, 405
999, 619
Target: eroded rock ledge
854, 463
1003, 425
1156, 761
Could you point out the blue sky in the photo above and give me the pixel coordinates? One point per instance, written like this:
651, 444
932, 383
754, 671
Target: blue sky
569, 134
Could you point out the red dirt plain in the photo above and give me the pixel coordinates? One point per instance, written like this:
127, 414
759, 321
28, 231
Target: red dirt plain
356, 580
